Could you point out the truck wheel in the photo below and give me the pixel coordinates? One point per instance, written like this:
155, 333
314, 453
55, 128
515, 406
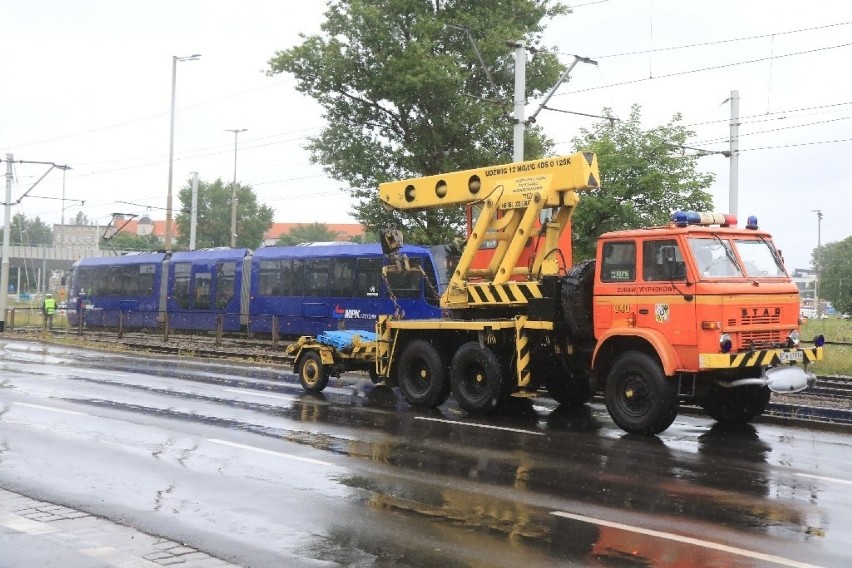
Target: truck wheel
422, 375
577, 288
639, 398
312, 374
736, 406
477, 378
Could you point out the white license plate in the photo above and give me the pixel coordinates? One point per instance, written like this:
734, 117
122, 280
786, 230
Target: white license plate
791, 356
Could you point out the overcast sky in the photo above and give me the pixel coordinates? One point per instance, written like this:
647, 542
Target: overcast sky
88, 84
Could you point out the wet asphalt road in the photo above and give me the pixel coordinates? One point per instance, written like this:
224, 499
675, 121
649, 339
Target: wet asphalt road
236, 461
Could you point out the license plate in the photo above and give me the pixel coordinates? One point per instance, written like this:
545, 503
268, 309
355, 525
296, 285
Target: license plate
791, 356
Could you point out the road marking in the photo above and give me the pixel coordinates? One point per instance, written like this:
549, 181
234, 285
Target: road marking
22, 524
821, 478
688, 540
264, 395
40, 407
269, 452
473, 424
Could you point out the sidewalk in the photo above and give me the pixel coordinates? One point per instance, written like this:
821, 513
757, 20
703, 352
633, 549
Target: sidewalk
38, 534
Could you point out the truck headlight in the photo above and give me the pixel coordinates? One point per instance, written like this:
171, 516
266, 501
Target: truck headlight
725, 343
793, 339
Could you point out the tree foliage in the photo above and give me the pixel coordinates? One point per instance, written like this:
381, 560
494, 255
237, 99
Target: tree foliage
645, 177
404, 95
26, 231
81, 219
835, 273
213, 228
310, 233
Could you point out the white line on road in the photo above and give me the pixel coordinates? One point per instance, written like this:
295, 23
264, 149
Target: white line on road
264, 395
821, 478
269, 452
40, 407
473, 424
688, 540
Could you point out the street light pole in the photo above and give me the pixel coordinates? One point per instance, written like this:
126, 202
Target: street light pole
236, 132
818, 261
168, 236
64, 169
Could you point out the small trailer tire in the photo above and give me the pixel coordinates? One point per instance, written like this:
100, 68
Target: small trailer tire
312, 374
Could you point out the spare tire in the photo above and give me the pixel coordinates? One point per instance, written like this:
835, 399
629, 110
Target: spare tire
577, 305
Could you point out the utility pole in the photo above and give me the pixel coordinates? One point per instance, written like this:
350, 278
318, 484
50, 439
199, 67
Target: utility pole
7, 232
193, 214
236, 132
818, 262
733, 180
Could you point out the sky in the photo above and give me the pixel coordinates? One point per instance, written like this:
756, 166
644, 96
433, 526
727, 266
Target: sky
88, 84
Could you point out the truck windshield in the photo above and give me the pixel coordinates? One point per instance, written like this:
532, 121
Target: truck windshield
714, 258
760, 258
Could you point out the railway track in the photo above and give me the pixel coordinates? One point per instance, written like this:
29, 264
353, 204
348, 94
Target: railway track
828, 402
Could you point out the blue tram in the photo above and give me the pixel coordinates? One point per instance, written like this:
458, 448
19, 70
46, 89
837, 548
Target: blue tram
301, 290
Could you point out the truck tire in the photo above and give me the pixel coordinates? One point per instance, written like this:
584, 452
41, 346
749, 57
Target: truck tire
312, 374
422, 375
639, 397
736, 406
577, 291
477, 378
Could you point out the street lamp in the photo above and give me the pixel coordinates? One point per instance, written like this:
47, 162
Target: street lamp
236, 132
175, 59
818, 261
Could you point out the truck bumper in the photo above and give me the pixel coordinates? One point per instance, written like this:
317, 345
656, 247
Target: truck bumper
781, 373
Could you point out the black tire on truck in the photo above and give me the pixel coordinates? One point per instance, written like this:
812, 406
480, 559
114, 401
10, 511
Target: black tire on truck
312, 374
422, 375
477, 378
736, 406
639, 397
577, 300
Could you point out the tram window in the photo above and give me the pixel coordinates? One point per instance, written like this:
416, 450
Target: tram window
225, 280
406, 284
342, 277
180, 290
202, 291
145, 283
291, 277
269, 279
368, 277
316, 276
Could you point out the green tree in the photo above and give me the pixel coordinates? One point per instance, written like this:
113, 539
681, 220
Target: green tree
130, 242
81, 219
25, 231
213, 227
404, 95
835, 276
311, 233
645, 177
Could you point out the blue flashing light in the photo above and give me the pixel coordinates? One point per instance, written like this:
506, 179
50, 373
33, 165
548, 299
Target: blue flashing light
679, 218
725, 343
693, 217
819, 340
751, 223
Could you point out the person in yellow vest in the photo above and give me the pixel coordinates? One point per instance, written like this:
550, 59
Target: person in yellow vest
49, 308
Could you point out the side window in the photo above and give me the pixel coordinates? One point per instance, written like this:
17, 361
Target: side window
368, 277
180, 291
269, 279
342, 277
292, 279
619, 262
225, 280
146, 279
406, 284
662, 261
316, 276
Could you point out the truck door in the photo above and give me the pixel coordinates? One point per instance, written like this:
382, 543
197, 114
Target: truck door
661, 293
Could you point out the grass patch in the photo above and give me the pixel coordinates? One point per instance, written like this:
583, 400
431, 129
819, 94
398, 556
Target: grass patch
838, 358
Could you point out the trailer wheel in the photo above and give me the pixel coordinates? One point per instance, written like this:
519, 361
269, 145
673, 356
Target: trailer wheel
639, 397
312, 374
422, 375
736, 406
477, 378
